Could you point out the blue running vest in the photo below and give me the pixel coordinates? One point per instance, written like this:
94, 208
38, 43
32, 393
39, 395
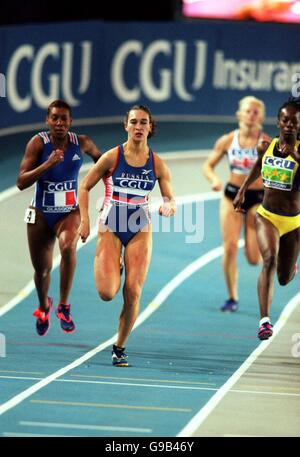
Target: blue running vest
56, 190
126, 209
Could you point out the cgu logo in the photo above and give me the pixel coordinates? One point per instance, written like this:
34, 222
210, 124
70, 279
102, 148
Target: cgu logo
281, 163
58, 186
59, 82
169, 78
134, 184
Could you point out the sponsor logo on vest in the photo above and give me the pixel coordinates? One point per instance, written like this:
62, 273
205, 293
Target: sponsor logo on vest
134, 183
280, 163
59, 186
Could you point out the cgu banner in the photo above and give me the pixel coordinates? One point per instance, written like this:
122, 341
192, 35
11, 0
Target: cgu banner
178, 69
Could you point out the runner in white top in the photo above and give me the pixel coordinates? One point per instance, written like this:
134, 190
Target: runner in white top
240, 147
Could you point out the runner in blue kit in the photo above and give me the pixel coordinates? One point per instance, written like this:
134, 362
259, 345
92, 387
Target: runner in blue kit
52, 161
126, 207
129, 171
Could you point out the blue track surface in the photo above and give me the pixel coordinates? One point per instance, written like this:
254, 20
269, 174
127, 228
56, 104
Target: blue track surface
180, 355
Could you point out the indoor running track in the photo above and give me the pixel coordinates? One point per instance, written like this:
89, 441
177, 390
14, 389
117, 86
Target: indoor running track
181, 352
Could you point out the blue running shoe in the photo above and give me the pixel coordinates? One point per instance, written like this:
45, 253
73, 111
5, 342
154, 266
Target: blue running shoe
43, 318
66, 322
265, 331
119, 358
230, 305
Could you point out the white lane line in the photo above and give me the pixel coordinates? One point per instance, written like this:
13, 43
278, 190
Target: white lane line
265, 392
22, 378
158, 300
35, 435
10, 192
114, 378
157, 386
26, 291
135, 379
17, 399
153, 306
112, 383
109, 428
203, 413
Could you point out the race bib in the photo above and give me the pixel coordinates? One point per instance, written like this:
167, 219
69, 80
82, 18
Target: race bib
29, 217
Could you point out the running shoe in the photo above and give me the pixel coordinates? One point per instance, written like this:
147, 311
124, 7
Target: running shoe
43, 318
119, 358
230, 305
265, 331
66, 322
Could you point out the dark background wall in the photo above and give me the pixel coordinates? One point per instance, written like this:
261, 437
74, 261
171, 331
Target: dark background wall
13, 12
